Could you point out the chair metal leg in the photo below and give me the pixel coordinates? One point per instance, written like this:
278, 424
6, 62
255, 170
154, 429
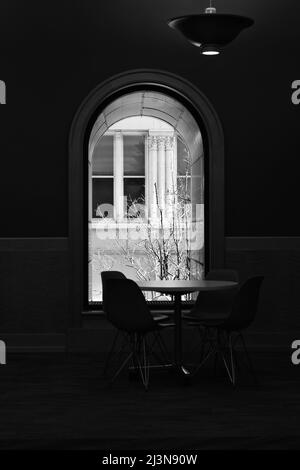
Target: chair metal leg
161, 360
151, 348
232, 359
212, 350
222, 349
139, 354
142, 361
127, 341
121, 367
225, 348
133, 371
213, 338
234, 363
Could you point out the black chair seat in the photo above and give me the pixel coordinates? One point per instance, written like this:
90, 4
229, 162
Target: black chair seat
215, 304
207, 322
205, 317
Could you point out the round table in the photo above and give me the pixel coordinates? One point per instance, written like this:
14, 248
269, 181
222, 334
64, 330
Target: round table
177, 289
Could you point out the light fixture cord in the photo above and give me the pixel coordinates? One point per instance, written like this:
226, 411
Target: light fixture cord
210, 9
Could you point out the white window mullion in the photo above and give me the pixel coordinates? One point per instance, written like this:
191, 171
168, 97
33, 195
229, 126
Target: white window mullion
152, 167
118, 176
161, 171
147, 198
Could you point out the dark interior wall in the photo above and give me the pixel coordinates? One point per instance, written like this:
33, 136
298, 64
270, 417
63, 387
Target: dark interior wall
54, 53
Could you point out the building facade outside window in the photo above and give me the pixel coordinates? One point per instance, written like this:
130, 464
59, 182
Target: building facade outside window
141, 208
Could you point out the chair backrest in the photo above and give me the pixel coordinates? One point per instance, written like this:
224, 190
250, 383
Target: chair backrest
222, 275
105, 275
216, 302
244, 307
126, 306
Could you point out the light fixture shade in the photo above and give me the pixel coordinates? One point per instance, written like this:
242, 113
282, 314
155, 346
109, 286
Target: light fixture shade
210, 29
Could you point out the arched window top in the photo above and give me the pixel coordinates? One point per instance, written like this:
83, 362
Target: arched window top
152, 104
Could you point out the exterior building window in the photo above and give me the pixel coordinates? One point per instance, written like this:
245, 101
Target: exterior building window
118, 174
103, 178
134, 172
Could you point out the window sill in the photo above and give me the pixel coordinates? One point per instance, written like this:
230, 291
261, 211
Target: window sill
162, 306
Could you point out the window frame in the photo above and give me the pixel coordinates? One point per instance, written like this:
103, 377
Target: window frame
213, 139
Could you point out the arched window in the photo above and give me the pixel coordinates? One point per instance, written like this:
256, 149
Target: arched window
146, 191
141, 146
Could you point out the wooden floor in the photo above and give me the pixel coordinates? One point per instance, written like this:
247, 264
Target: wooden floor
59, 401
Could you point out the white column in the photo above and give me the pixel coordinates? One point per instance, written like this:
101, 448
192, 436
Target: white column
171, 170
197, 180
152, 172
161, 171
118, 176
175, 173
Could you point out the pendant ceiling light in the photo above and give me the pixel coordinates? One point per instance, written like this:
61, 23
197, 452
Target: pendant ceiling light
210, 31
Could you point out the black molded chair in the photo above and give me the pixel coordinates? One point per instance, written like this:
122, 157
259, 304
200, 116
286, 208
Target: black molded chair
222, 275
223, 335
211, 304
105, 276
128, 311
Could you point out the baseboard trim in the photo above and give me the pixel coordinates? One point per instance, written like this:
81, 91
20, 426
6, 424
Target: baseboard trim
231, 243
27, 343
99, 340
34, 244
261, 243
